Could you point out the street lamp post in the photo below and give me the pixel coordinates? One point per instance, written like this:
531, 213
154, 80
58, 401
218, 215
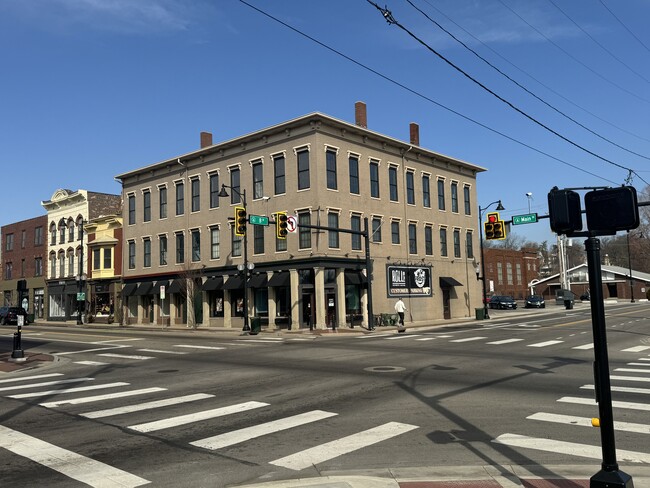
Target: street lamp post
242, 195
629, 263
480, 226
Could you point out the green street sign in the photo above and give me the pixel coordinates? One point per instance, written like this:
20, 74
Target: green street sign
81, 296
524, 219
258, 220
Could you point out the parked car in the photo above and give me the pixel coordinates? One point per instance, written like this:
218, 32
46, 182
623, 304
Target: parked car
585, 297
9, 315
535, 301
503, 302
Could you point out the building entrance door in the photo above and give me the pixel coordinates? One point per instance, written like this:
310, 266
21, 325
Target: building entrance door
446, 303
331, 309
308, 310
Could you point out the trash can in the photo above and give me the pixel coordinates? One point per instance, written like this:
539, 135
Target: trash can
480, 313
256, 325
568, 304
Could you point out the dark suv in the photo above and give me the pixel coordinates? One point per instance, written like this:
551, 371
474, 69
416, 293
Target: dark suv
9, 315
503, 302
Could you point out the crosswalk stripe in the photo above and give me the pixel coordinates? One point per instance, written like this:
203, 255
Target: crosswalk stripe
636, 349
97, 398
469, 339
545, 344
586, 422
125, 356
45, 383
91, 363
504, 341
68, 463
615, 404
370, 336
569, 448
90, 350
345, 445
640, 364
402, 336
29, 378
585, 346
242, 435
196, 417
161, 351
632, 370
427, 339
267, 340
623, 389
199, 347
68, 390
109, 412
629, 378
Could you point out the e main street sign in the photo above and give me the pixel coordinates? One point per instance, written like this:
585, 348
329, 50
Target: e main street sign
258, 220
524, 219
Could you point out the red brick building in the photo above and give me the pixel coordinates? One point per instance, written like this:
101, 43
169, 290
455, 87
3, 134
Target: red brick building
508, 271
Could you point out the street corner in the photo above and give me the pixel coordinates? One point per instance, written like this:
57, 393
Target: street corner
29, 361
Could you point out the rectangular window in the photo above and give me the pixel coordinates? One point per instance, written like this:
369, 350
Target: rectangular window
500, 273
441, 194
97, 258
8, 270
131, 255
180, 198
304, 234
61, 266
180, 248
468, 206
108, 258
333, 237
330, 161
196, 195
509, 273
71, 232
258, 180
394, 232
71, 270
131, 209
413, 239
258, 239
146, 252
196, 245
456, 243
303, 169
162, 205
428, 240
454, 197
469, 245
443, 241
353, 164
236, 242
374, 179
146, 206
52, 235
62, 234
214, 190
355, 224
9, 242
215, 241
376, 229
279, 174
392, 183
38, 236
23, 239
38, 267
426, 191
52, 266
410, 188
162, 243
235, 186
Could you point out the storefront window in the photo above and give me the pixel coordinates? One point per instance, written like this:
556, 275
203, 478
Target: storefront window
352, 299
216, 303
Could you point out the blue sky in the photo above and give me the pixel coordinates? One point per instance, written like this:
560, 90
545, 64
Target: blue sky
94, 88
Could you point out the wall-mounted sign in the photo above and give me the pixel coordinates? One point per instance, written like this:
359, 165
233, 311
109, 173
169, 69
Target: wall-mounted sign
414, 281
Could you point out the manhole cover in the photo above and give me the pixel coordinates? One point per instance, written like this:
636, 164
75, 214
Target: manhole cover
384, 369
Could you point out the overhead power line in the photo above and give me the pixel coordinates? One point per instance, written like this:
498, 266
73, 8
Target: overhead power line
624, 26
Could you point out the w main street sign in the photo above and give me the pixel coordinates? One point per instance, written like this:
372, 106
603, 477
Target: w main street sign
524, 219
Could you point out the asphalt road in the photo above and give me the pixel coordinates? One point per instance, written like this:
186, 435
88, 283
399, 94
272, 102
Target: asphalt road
127, 408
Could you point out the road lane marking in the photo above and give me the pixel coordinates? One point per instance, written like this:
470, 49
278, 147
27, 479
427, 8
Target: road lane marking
370, 336
125, 356
91, 363
624, 389
196, 417
68, 390
242, 435
640, 364
45, 383
427, 339
90, 350
615, 404
469, 339
98, 398
345, 445
109, 412
545, 344
630, 378
632, 370
161, 351
504, 341
569, 448
68, 463
586, 422
636, 349
198, 347
34, 377
585, 346
402, 336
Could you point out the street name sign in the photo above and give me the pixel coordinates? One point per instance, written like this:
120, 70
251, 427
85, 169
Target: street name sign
258, 220
524, 219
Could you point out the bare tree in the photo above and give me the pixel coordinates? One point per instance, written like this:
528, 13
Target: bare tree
190, 290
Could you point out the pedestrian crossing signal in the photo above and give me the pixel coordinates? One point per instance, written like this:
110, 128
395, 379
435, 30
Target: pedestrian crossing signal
494, 227
281, 225
240, 221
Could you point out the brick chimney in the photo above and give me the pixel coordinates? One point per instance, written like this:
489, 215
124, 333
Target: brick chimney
206, 139
360, 115
414, 130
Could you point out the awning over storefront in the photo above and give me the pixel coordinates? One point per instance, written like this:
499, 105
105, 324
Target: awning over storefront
258, 281
55, 289
280, 279
448, 282
176, 286
213, 283
144, 289
156, 288
233, 283
128, 289
354, 278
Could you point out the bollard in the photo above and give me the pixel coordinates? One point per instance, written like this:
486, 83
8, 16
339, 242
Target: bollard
18, 353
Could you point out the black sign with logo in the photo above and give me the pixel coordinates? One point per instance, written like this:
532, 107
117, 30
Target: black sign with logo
414, 281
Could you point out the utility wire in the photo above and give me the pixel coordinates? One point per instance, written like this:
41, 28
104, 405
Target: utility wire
532, 77
523, 87
624, 26
574, 58
428, 99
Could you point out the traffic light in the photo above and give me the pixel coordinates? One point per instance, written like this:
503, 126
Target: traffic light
281, 225
240, 221
494, 227
564, 211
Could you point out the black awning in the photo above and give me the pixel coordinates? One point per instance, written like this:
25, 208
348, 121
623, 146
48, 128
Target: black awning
213, 283
156, 288
233, 283
175, 287
55, 289
144, 289
282, 278
128, 289
448, 282
258, 281
354, 278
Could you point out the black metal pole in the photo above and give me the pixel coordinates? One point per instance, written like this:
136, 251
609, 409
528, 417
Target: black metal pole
247, 327
629, 263
79, 283
486, 315
609, 476
366, 235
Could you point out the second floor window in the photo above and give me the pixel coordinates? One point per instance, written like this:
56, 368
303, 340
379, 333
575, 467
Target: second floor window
38, 266
392, 183
428, 240
180, 248
215, 239
9, 268
258, 180
454, 197
258, 239
353, 163
131, 209
376, 229
355, 224
180, 198
333, 236
303, 169
443, 241
108, 258
304, 234
146, 206
413, 239
71, 270
330, 162
469, 245
196, 245
278, 174
162, 204
97, 258
162, 243
214, 190
131, 255
394, 232
456, 243
374, 179
410, 188
146, 252
196, 195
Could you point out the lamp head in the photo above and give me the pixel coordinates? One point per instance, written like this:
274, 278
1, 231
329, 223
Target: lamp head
500, 207
223, 193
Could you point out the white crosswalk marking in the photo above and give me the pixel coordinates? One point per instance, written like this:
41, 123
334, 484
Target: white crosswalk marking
242, 435
68, 463
624, 389
199, 347
370, 336
586, 422
545, 344
504, 341
68, 390
29, 378
161, 351
636, 349
109, 412
98, 398
196, 417
45, 383
615, 404
632, 370
569, 448
469, 339
402, 336
426, 339
91, 363
345, 445
90, 350
126, 356
630, 378
585, 346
